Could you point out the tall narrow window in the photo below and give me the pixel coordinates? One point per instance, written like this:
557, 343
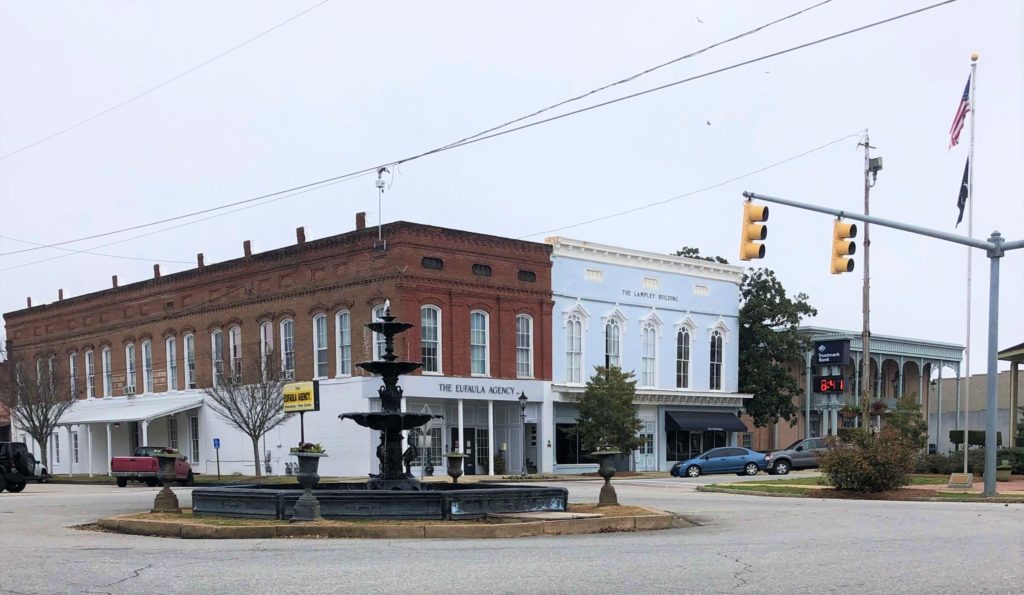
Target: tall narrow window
73, 372
320, 337
172, 432
235, 349
574, 349
74, 447
378, 339
478, 348
649, 355
716, 361
193, 435
147, 366
683, 359
430, 338
108, 381
129, 369
524, 346
217, 356
190, 361
171, 351
266, 344
90, 375
343, 321
56, 446
287, 349
612, 343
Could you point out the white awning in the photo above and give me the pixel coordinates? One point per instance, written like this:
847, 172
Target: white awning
123, 409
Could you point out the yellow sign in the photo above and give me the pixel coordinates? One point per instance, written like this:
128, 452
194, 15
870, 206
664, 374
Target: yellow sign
301, 396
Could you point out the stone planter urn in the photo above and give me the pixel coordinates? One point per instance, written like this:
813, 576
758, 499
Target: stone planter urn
455, 465
1003, 473
165, 500
307, 507
606, 470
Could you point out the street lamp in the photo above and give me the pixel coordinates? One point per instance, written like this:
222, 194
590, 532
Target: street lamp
522, 418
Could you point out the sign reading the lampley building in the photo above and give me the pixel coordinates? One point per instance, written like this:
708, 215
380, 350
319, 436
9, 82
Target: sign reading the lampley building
831, 353
650, 295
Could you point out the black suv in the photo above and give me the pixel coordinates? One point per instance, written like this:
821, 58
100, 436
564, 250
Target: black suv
17, 466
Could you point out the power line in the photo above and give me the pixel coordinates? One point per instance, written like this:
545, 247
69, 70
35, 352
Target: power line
697, 191
163, 84
517, 128
95, 253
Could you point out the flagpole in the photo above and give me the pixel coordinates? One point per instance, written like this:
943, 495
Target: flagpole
970, 234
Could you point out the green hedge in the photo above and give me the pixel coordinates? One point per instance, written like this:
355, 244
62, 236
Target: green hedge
974, 438
944, 465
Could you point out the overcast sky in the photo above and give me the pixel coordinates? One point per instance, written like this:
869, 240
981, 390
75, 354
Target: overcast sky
348, 86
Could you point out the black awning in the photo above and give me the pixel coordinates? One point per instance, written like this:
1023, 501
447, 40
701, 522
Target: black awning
700, 421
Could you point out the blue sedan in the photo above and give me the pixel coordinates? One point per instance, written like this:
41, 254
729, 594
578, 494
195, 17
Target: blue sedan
728, 459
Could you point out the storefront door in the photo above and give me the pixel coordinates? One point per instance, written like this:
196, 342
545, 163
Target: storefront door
644, 458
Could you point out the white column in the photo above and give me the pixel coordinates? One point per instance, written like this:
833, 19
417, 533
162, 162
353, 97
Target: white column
546, 433
110, 450
145, 432
88, 433
490, 437
462, 437
834, 421
71, 453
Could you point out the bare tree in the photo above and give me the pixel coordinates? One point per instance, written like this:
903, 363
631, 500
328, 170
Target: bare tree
36, 399
249, 397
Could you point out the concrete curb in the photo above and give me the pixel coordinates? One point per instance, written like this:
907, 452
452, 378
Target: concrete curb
810, 494
643, 522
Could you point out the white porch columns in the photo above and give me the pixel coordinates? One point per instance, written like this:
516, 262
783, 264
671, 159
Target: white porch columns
110, 452
88, 432
71, 452
462, 437
490, 437
145, 432
547, 434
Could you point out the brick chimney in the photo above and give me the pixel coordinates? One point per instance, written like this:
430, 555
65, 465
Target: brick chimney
247, 248
199, 259
60, 295
156, 271
28, 301
113, 280
300, 235
360, 220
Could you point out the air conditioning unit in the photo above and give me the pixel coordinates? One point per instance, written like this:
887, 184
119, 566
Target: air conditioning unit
129, 391
288, 374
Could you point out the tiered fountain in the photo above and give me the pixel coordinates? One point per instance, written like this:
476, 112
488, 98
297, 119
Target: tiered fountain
393, 493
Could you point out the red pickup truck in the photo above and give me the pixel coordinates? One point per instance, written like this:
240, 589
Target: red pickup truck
143, 466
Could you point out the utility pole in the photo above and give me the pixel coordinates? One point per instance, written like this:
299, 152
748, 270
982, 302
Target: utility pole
870, 175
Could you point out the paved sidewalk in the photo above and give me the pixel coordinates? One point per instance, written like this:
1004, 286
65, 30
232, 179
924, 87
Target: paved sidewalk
1014, 487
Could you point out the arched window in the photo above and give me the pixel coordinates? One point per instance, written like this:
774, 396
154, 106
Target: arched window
574, 349
683, 359
478, 343
147, 366
649, 355
378, 338
171, 351
108, 381
320, 339
343, 322
217, 356
73, 374
129, 366
524, 346
430, 339
189, 342
235, 349
266, 344
287, 349
612, 343
716, 361
90, 375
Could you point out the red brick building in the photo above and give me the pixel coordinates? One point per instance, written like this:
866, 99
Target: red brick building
481, 305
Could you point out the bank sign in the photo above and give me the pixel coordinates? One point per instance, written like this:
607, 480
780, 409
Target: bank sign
831, 353
301, 396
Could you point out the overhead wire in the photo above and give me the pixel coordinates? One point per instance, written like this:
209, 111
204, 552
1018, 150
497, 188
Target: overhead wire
498, 133
96, 253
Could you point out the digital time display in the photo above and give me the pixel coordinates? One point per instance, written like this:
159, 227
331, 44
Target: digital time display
831, 384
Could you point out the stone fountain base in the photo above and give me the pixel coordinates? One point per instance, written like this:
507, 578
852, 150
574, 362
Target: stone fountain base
356, 501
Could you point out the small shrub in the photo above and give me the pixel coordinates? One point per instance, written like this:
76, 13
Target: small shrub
870, 463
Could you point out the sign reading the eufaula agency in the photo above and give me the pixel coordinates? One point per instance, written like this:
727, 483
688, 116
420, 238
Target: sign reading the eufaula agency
301, 396
831, 353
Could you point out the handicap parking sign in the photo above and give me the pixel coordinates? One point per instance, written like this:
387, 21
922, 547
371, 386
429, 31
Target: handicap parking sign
216, 442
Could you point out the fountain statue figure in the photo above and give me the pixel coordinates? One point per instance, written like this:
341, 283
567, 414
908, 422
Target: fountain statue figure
390, 421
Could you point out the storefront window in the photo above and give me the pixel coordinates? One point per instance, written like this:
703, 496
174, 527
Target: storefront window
567, 446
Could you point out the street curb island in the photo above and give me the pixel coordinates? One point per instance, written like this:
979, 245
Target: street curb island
651, 520
810, 493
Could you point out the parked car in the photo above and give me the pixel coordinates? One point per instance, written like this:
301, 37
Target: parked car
17, 466
727, 459
143, 466
802, 454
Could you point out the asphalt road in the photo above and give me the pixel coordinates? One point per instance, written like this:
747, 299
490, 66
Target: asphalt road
745, 544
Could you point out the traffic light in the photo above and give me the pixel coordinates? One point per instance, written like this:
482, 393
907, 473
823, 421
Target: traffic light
842, 246
753, 231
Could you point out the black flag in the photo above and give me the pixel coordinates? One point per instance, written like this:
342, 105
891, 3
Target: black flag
961, 202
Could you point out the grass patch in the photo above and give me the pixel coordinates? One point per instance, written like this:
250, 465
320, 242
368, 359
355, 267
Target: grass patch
915, 480
792, 490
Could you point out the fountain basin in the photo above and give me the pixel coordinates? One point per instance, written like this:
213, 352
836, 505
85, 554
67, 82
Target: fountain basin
392, 421
440, 501
382, 368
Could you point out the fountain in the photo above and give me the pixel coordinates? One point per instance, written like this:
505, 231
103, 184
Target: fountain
392, 493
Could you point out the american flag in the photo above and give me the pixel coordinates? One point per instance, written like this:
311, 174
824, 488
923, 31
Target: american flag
961, 115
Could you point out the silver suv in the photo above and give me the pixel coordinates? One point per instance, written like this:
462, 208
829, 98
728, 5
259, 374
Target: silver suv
802, 454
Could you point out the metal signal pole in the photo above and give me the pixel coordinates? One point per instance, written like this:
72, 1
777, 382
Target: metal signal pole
871, 169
